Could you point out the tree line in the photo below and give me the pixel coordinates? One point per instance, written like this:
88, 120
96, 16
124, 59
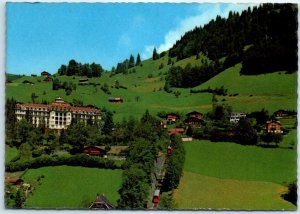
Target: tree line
75, 68
139, 164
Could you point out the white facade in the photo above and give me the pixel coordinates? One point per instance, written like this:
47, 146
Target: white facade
236, 116
57, 115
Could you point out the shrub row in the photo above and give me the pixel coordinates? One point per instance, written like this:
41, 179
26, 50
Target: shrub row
75, 160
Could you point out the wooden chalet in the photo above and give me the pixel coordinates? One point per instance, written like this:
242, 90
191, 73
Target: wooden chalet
176, 131
115, 100
194, 114
45, 73
33, 75
273, 126
48, 79
101, 203
193, 121
94, 150
15, 181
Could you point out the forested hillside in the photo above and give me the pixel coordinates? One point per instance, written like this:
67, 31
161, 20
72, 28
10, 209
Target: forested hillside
263, 38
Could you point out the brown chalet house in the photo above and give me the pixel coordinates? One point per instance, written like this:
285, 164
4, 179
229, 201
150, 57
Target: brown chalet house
194, 118
57, 115
273, 126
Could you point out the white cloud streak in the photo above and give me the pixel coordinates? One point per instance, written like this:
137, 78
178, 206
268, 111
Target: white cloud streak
189, 23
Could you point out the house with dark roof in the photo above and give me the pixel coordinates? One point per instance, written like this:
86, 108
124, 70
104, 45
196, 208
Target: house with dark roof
83, 81
45, 73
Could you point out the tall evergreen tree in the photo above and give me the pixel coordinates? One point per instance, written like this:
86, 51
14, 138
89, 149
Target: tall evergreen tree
155, 55
131, 61
138, 60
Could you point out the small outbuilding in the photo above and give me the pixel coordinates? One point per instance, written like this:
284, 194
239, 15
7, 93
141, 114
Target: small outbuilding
115, 100
83, 81
94, 150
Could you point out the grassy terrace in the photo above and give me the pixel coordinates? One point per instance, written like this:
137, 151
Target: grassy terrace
231, 176
71, 187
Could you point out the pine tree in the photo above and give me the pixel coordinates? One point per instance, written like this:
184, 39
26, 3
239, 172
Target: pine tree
155, 55
131, 61
138, 60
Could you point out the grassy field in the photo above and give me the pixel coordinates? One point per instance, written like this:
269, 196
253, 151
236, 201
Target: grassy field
231, 176
233, 161
270, 91
10, 153
203, 192
71, 187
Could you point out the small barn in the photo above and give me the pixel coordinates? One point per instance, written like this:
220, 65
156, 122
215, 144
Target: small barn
45, 73
94, 150
115, 100
83, 81
101, 203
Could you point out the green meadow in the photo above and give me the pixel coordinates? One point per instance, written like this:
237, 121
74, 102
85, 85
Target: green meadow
198, 191
71, 187
10, 153
231, 176
234, 161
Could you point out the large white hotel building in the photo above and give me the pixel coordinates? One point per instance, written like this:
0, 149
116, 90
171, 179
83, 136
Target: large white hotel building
57, 115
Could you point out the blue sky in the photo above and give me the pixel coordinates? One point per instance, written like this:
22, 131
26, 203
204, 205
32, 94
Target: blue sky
42, 36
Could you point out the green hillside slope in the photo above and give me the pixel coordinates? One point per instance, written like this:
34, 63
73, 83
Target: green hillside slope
270, 91
145, 90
